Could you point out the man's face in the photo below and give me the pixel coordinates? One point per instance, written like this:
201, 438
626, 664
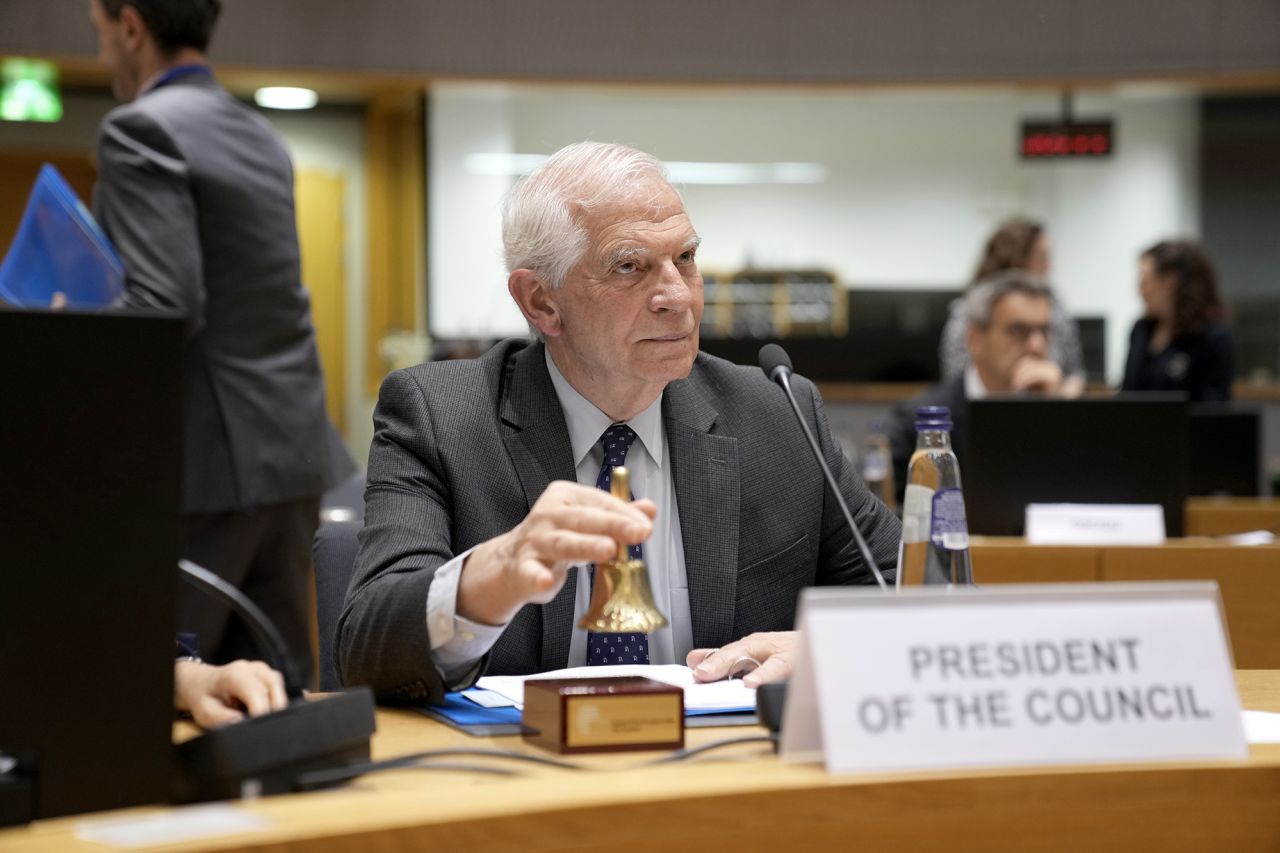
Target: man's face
1019, 329
628, 312
114, 35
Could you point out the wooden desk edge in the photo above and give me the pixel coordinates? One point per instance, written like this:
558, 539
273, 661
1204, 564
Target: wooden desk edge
717, 802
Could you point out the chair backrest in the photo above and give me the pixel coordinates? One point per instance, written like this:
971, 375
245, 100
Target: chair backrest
335, 556
345, 501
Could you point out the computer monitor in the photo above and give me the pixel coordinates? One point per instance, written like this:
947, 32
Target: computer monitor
1093, 347
1120, 450
90, 490
1225, 456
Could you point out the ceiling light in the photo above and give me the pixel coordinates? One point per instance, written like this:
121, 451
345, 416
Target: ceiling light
285, 98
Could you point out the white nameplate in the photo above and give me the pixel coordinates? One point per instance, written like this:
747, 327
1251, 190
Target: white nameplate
1095, 524
1012, 675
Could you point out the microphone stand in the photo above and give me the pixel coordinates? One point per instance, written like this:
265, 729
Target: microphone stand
777, 366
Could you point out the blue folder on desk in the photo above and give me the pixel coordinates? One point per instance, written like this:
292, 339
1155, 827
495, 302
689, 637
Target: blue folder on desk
59, 248
461, 713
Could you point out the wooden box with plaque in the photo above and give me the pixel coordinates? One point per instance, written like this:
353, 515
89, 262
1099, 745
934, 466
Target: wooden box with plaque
603, 714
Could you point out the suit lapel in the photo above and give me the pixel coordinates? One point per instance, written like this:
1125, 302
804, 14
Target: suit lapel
537, 440
704, 468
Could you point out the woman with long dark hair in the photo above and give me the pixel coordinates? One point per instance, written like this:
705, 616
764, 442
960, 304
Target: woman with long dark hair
1181, 343
1018, 244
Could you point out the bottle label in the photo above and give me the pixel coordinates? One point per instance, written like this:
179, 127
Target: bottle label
949, 529
915, 513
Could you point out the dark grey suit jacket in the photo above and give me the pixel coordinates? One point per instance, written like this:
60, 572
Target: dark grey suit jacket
196, 191
462, 450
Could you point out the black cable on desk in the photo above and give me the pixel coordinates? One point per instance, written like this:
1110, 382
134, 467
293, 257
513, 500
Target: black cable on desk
422, 761
682, 754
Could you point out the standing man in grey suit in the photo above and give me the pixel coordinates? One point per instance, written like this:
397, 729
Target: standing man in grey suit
485, 505
196, 191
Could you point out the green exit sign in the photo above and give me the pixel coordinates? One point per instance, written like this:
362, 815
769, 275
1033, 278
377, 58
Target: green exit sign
29, 90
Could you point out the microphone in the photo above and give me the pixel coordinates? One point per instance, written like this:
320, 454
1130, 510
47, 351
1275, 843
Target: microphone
265, 634
270, 754
776, 364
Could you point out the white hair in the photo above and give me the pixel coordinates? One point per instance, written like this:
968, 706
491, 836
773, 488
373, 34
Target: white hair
542, 216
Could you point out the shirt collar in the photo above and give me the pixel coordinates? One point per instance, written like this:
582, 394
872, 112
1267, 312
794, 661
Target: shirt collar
587, 423
167, 75
973, 387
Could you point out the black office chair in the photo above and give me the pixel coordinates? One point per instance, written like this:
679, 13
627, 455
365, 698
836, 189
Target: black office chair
334, 550
345, 501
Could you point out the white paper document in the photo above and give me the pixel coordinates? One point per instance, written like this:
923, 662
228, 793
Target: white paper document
174, 826
1261, 727
714, 696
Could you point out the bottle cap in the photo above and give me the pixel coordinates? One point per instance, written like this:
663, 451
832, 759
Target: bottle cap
936, 418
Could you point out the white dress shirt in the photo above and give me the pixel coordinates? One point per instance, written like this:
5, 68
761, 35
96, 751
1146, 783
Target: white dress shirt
458, 643
973, 387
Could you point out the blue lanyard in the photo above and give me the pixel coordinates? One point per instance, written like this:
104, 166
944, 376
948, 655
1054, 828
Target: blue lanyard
171, 74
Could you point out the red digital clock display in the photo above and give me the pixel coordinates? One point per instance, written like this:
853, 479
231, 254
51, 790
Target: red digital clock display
1050, 140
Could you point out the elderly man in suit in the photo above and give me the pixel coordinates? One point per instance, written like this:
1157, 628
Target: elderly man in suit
196, 191
485, 504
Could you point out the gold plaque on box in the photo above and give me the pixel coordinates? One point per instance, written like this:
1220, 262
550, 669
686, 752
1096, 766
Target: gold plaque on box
603, 714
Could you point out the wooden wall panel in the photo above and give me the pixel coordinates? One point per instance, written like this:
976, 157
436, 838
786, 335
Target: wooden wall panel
395, 177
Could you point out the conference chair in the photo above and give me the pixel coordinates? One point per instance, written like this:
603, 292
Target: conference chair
345, 501
334, 551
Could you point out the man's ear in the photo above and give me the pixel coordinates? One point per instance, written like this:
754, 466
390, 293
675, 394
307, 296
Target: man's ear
536, 301
973, 340
132, 27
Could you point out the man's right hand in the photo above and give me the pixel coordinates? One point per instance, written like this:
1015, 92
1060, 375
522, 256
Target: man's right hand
1036, 375
218, 695
569, 523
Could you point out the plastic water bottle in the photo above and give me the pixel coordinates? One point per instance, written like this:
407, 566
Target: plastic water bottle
935, 535
877, 466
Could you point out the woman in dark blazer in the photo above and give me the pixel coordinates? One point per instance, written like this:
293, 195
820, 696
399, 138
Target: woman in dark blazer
1181, 344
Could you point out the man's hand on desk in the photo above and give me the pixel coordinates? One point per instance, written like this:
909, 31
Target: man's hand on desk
218, 695
569, 523
774, 651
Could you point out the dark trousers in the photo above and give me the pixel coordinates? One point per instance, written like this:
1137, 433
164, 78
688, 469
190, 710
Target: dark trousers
266, 554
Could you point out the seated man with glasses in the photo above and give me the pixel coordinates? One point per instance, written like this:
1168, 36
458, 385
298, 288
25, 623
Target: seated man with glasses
1009, 316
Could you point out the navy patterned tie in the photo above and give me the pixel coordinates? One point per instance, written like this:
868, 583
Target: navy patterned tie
616, 648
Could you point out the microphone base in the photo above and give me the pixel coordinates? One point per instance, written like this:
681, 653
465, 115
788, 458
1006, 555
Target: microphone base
266, 755
771, 699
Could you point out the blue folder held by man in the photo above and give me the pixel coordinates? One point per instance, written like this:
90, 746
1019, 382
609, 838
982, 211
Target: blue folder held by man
59, 248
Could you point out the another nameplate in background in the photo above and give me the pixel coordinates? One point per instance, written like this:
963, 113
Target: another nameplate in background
1095, 524
1020, 675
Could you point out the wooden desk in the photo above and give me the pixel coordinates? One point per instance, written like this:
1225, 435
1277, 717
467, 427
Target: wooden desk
745, 799
1248, 577
1224, 516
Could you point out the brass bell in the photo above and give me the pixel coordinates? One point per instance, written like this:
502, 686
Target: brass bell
621, 599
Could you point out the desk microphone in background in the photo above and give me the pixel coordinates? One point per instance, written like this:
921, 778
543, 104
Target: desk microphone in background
269, 754
776, 364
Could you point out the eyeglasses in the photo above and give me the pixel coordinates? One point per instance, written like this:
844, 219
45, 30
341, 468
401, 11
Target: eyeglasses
1022, 332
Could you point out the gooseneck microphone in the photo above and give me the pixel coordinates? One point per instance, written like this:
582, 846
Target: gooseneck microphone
273, 753
265, 633
776, 364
